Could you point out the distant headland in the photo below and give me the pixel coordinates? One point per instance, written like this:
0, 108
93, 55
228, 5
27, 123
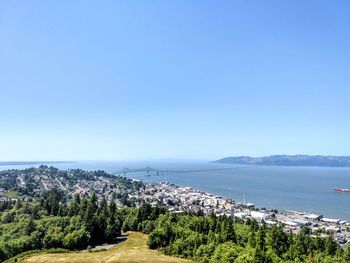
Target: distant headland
32, 162
290, 160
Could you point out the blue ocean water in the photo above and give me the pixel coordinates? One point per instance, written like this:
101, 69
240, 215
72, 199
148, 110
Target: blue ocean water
308, 189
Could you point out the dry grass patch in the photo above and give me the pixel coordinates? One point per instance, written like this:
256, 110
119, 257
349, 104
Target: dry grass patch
134, 249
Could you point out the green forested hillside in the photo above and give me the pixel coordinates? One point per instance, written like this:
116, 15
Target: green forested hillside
213, 239
50, 222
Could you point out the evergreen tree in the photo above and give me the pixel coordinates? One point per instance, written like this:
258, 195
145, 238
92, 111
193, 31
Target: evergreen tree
83, 207
277, 240
346, 255
260, 248
330, 246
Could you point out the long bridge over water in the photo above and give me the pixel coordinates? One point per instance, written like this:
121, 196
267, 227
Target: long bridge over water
153, 171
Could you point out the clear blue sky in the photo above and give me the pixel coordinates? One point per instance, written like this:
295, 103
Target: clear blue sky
119, 80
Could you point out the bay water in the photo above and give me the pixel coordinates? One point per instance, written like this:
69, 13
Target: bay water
305, 189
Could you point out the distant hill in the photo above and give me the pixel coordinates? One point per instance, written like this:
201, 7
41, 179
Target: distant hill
33, 162
290, 160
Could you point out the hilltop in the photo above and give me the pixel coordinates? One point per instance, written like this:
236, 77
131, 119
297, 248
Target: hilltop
290, 160
134, 249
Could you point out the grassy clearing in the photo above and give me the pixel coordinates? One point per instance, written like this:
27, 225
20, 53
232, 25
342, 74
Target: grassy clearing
134, 249
11, 194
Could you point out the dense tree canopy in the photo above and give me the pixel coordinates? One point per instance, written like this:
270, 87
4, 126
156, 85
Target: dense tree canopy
53, 222
212, 239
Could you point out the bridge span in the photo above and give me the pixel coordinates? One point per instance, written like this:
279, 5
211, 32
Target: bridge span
153, 171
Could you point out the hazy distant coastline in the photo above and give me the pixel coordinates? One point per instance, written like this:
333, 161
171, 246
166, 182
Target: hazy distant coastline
289, 160
32, 162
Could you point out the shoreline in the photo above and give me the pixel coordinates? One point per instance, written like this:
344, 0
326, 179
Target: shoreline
295, 210
179, 199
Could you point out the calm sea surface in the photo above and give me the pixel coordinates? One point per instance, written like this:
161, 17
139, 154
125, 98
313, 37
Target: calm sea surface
306, 189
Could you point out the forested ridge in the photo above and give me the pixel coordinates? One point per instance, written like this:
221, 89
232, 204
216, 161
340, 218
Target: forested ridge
51, 222
289, 160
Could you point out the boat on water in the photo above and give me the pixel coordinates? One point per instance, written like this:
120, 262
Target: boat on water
342, 190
